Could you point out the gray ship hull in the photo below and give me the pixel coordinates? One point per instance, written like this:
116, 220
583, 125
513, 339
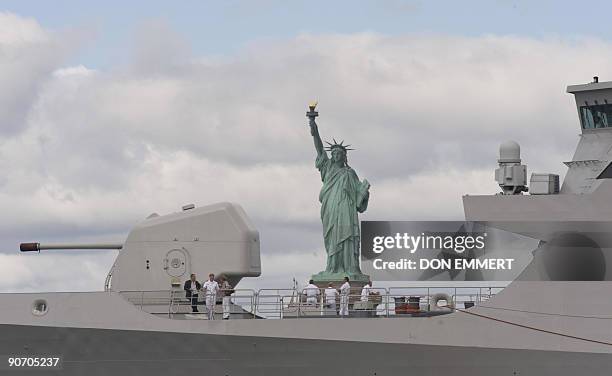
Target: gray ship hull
531, 328
104, 352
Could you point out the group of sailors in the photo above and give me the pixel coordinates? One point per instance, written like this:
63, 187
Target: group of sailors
330, 294
211, 289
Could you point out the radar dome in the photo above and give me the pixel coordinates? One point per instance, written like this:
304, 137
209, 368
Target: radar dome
509, 152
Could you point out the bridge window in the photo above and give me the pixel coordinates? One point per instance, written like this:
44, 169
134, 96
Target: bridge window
596, 116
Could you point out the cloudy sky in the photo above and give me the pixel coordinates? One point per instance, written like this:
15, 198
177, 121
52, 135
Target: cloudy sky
109, 112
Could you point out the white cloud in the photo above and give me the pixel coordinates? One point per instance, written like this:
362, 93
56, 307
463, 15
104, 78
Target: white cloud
54, 272
28, 55
77, 71
87, 154
18, 32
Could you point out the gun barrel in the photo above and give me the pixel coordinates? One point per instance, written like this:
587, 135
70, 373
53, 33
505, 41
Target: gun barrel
37, 247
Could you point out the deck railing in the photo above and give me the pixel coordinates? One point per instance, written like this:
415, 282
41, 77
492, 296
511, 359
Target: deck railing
292, 303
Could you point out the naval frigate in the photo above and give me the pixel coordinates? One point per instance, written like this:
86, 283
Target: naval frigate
143, 324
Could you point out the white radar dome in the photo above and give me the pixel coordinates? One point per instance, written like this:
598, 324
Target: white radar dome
509, 152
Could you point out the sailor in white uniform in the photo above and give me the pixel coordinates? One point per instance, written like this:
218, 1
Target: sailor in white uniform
345, 291
210, 288
365, 292
312, 293
226, 291
331, 294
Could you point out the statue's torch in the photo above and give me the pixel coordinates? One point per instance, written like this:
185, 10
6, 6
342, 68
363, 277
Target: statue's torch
312, 114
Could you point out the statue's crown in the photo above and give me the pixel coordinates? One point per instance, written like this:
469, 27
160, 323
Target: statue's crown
337, 145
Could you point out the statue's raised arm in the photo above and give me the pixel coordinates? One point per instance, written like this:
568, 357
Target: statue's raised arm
314, 130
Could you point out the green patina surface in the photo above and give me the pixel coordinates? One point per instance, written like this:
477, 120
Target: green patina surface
342, 197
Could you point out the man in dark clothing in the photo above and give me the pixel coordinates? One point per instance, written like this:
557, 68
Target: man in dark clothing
191, 291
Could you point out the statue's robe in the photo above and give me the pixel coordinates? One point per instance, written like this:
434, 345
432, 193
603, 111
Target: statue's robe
341, 197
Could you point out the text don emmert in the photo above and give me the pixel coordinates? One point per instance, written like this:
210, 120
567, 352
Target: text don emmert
437, 264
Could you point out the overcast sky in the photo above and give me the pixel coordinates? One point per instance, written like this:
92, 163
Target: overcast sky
109, 113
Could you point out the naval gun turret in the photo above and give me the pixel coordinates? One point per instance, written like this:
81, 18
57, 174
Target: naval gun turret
162, 251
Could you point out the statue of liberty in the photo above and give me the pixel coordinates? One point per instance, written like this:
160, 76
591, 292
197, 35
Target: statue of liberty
342, 197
